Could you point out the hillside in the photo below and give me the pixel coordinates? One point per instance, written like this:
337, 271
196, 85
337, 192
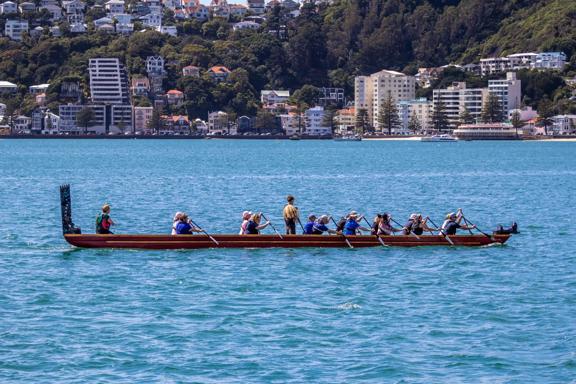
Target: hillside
325, 46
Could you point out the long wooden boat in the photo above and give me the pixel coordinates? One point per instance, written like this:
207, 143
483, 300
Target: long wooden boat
73, 235
272, 241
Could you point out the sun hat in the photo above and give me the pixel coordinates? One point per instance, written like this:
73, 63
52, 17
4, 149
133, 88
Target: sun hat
413, 216
312, 217
324, 218
246, 214
177, 216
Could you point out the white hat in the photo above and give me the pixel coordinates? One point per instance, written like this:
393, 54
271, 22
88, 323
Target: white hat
177, 216
246, 213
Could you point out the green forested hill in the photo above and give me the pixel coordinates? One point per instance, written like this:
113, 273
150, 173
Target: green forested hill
324, 47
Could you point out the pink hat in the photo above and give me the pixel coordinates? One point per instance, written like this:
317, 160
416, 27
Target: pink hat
246, 215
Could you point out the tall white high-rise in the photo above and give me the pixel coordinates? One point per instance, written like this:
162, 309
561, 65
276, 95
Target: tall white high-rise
457, 98
371, 91
508, 90
108, 81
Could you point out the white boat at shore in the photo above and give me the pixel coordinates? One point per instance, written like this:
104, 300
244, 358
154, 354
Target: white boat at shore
348, 138
438, 139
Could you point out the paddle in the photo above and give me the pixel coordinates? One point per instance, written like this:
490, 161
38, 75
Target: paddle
377, 236
299, 222
272, 225
343, 235
204, 232
441, 231
468, 223
400, 225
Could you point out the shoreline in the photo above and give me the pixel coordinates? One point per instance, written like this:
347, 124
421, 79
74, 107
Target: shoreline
567, 139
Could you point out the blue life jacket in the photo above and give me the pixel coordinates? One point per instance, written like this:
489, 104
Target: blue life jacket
308, 228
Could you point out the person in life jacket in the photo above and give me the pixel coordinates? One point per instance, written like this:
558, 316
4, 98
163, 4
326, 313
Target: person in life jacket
175, 222
352, 225
452, 223
291, 215
245, 219
385, 226
185, 226
320, 227
254, 227
420, 225
411, 224
309, 226
103, 221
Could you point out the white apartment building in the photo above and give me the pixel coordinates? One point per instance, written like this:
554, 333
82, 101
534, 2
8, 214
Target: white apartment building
458, 97
290, 123
528, 60
274, 97
550, 60
218, 123
15, 28
421, 108
315, 125
371, 91
508, 90
564, 124
142, 115
108, 81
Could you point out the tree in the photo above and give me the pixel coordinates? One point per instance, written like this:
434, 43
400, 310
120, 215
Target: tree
439, 118
545, 113
516, 121
362, 121
492, 110
265, 122
328, 119
388, 115
84, 118
155, 122
466, 117
414, 124
308, 95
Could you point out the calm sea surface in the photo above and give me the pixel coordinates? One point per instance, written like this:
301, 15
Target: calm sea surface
501, 314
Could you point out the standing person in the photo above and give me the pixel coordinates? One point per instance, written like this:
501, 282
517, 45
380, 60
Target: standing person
309, 226
245, 219
352, 225
254, 227
185, 227
103, 221
291, 215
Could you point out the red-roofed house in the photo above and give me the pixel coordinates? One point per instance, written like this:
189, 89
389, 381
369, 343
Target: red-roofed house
174, 97
178, 124
219, 73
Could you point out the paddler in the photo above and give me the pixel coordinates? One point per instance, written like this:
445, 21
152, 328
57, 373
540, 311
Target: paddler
309, 226
290, 214
320, 227
352, 226
254, 227
245, 219
185, 226
385, 226
103, 221
452, 223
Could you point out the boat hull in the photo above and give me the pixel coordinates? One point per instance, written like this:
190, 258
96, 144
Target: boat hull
273, 241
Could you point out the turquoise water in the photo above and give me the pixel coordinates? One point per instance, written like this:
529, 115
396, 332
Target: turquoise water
501, 314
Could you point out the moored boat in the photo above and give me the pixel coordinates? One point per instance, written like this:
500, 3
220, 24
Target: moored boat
348, 138
438, 139
73, 236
